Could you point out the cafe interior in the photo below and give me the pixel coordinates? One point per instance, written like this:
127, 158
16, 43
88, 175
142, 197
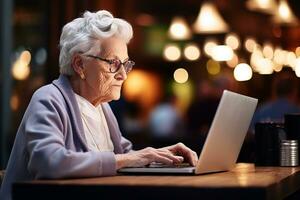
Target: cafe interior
185, 52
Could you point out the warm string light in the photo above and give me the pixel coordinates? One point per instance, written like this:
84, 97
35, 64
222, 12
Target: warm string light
233, 62
242, 72
213, 67
232, 40
179, 29
209, 45
265, 6
191, 52
281, 11
181, 75
222, 53
264, 59
297, 67
20, 68
172, 52
209, 20
284, 14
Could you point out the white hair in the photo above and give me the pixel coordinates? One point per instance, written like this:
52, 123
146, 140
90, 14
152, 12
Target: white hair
83, 33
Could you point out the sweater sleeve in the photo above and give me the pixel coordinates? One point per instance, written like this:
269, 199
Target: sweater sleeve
126, 145
45, 123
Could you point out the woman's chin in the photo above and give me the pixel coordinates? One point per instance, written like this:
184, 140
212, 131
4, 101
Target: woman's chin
116, 96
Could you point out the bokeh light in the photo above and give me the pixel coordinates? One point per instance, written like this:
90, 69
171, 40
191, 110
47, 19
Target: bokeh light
213, 67
222, 53
14, 102
208, 46
20, 69
297, 51
139, 81
242, 72
232, 40
233, 62
250, 44
181, 75
179, 29
191, 52
268, 51
172, 52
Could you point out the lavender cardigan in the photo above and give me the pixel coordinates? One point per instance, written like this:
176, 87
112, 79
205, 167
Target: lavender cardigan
50, 142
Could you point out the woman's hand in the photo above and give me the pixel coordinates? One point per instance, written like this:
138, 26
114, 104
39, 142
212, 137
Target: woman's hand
146, 156
168, 155
182, 150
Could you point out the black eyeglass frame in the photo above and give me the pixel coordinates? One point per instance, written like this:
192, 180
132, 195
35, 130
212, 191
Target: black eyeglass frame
112, 61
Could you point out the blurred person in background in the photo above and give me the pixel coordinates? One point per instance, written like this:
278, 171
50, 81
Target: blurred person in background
284, 100
68, 129
165, 123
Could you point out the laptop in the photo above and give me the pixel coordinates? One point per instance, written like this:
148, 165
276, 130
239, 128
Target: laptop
224, 140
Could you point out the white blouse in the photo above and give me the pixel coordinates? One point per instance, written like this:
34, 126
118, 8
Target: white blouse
95, 126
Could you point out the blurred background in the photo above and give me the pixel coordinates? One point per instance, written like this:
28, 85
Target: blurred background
186, 53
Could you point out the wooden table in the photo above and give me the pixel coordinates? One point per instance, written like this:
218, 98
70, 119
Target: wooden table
244, 182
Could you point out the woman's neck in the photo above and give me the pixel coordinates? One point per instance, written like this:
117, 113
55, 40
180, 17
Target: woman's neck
81, 88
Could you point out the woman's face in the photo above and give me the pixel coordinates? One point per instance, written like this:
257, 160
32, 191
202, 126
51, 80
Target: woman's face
102, 84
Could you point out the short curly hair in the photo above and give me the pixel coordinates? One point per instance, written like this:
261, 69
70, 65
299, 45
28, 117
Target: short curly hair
83, 33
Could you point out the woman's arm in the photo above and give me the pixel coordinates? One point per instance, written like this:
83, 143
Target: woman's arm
45, 123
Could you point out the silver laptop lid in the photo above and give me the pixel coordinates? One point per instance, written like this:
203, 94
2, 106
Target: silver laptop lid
227, 133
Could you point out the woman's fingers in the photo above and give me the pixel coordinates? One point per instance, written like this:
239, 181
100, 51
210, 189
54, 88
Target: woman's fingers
187, 153
168, 154
161, 159
162, 155
190, 155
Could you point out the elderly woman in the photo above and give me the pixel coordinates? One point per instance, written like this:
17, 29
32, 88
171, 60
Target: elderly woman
69, 129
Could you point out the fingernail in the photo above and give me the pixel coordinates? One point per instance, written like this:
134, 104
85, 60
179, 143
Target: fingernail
181, 159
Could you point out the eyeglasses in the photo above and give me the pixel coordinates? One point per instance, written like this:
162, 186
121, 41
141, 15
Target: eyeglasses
115, 64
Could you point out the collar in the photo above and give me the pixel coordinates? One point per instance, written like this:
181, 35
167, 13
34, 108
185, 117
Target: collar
64, 86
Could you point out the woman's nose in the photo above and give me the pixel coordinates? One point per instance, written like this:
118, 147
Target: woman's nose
121, 73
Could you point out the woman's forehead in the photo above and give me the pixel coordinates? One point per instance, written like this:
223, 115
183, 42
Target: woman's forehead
114, 48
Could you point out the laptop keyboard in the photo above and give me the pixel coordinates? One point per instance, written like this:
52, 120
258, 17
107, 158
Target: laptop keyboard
161, 165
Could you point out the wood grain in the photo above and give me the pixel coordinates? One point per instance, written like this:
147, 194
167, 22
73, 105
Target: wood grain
245, 181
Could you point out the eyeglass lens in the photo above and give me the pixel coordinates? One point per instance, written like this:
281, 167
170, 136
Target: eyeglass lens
117, 64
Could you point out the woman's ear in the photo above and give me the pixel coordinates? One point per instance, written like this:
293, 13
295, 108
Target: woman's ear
77, 65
